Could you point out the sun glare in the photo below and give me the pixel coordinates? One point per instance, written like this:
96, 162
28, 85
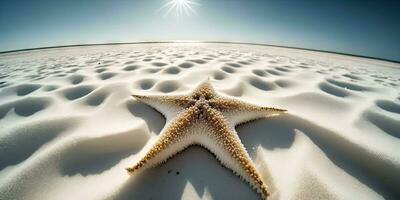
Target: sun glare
179, 7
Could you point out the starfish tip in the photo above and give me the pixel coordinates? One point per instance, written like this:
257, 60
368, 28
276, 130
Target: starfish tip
130, 170
136, 96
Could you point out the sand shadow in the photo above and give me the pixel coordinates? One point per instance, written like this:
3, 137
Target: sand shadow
348, 85
25, 89
95, 155
260, 84
25, 107
21, 143
77, 92
333, 90
388, 106
385, 123
96, 98
194, 166
154, 120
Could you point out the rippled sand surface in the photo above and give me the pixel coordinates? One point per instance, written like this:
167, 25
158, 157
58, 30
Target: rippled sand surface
68, 126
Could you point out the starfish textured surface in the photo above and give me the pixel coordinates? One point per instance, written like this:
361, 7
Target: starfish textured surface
207, 119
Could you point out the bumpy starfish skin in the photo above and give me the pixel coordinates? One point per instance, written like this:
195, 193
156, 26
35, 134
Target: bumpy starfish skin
205, 118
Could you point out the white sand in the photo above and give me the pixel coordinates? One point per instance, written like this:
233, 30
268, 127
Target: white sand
68, 126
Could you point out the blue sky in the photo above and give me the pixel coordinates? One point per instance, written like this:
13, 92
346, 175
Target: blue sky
370, 28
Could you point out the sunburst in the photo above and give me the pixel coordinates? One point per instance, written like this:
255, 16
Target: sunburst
179, 7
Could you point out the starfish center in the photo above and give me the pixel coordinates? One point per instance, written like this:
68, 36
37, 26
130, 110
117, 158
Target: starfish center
202, 104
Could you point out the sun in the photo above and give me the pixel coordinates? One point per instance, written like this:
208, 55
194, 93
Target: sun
180, 7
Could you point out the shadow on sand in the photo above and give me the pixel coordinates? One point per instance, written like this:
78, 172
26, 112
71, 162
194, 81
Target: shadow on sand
194, 165
95, 155
22, 142
154, 120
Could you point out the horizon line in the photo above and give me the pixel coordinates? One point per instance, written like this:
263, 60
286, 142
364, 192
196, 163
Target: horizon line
195, 41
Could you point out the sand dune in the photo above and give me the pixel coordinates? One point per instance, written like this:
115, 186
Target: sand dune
68, 126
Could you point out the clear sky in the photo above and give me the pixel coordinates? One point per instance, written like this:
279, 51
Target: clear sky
363, 27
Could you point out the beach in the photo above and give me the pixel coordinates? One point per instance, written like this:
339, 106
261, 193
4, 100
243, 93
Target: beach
69, 126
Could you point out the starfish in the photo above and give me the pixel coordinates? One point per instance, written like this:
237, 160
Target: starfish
207, 119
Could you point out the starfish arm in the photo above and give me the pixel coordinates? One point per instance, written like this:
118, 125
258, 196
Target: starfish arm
169, 106
204, 89
231, 152
169, 142
237, 111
